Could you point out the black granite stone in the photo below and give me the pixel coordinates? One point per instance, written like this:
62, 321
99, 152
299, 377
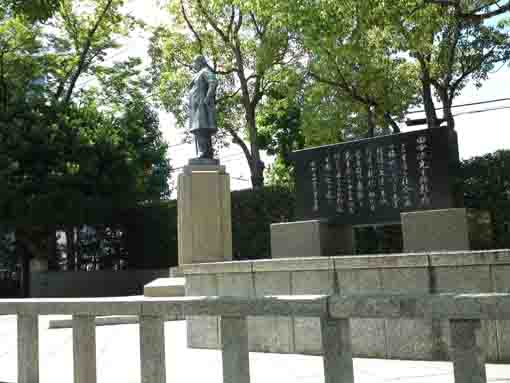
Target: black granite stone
371, 181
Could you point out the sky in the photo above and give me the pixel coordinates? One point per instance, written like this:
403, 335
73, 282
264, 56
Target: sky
478, 133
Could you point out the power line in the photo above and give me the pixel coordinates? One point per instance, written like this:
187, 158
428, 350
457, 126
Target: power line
462, 105
482, 110
240, 179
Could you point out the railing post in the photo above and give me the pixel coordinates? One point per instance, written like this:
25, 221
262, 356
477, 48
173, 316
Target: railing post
152, 349
337, 349
467, 351
234, 347
84, 349
28, 348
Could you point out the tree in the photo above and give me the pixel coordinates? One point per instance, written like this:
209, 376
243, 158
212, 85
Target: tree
453, 45
66, 158
36, 10
486, 183
475, 12
251, 52
351, 53
280, 134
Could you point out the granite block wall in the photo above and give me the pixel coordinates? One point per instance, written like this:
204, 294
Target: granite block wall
481, 271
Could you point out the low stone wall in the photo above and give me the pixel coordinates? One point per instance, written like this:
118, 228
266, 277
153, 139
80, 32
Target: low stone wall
483, 271
69, 284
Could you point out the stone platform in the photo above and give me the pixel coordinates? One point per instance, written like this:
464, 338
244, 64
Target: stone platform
420, 273
165, 287
118, 360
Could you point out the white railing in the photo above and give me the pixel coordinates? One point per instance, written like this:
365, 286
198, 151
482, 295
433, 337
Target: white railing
464, 312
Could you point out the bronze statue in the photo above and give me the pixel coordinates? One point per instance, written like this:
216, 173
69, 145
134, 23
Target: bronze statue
202, 103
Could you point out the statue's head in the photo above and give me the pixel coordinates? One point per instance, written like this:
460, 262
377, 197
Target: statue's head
199, 62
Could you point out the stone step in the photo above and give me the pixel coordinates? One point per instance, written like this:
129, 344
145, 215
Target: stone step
165, 287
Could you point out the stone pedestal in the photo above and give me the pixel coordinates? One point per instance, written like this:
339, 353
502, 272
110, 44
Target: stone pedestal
446, 230
432, 230
310, 239
204, 218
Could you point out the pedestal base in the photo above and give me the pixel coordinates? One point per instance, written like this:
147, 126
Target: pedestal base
310, 239
448, 229
204, 218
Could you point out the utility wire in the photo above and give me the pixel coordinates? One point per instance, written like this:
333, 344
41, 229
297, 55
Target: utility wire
482, 110
462, 105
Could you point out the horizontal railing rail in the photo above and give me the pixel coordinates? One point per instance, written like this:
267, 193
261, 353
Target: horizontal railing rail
464, 311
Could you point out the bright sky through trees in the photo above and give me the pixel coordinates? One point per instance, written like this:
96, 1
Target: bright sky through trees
479, 132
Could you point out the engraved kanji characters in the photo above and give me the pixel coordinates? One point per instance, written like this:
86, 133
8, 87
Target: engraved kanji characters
423, 170
315, 185
371, 184
339, 191
350, 187
381, 176
406, 190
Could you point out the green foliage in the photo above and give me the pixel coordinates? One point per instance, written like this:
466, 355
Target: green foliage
7, 250
35, 10
151, 235
487, 187
69, 154
252, 213
356, 72
252, 53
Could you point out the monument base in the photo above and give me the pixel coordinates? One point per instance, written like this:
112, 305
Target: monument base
311, 239
204, 218
446, 230
204, 161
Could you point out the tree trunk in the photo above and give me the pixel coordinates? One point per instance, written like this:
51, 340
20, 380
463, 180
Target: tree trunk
370, 121
256, 164
447, 108
52, 249
23, 257
428, 100
70, 248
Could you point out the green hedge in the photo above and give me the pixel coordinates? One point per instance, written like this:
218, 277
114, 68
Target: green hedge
151, 231
487, 187
151, 236
252, 213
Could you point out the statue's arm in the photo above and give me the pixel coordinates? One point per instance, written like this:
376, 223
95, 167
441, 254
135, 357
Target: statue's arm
211, 91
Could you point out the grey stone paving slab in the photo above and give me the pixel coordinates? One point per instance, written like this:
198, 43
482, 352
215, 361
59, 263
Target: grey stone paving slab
118, 360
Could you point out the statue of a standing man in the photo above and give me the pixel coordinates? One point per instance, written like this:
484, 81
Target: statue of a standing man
202, 101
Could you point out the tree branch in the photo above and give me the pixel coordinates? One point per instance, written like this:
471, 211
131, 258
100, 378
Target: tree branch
192, 29
239, 23
232, 18
231, 95
84, 53
476, 18
237, 140
212, 23
259, 31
